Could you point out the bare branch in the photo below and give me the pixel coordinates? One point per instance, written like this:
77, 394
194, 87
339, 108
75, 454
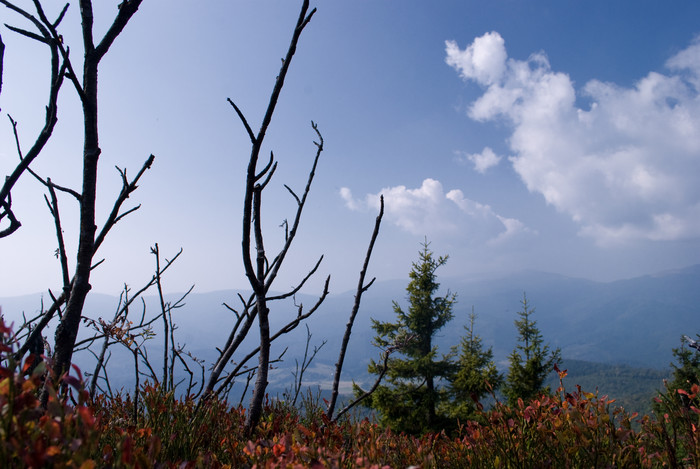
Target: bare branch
266, 168
28, 34
2, 60
296, 289
232, 343
287, 328
361, 288
45, 319
127, 8
293, 194
243, 120
61, 251
257, 144
127, 189
50, 184
366, 394
301, 24
272, 274
60, 16
7, 212
305, 363
44, 32
56, 80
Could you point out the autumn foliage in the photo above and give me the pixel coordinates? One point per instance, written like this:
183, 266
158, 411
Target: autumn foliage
565, 429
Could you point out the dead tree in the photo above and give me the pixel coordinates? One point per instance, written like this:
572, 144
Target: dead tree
259, 269
361, 288
67, 329
76, 289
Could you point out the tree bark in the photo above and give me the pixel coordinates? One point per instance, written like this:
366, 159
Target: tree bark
67, 330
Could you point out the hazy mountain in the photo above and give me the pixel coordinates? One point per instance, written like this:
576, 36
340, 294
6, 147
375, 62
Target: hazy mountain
635, 322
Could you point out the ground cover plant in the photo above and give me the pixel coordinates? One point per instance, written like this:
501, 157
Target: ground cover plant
564, 429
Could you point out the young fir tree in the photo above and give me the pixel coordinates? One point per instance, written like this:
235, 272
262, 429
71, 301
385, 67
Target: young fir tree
531, 361
686, 370
475, 376
410, 401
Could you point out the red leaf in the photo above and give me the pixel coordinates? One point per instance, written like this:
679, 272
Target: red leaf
28, 364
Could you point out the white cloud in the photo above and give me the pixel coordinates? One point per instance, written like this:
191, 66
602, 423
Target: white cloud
483, 60
346, 194
429, 211
687, 60
624, 168
482, 161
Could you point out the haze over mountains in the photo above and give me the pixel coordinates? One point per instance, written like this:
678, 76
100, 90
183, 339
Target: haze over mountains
634, 322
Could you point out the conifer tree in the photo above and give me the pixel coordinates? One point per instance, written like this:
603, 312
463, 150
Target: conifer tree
686, 370
410, 400
531, 361
476, 374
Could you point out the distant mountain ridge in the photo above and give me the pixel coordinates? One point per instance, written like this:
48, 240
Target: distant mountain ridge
634, 321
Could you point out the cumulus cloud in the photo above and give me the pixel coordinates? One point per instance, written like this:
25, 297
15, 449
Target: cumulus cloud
624, 167
482, 161
428, 210
484, 60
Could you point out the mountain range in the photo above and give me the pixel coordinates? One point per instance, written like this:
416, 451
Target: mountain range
634, 322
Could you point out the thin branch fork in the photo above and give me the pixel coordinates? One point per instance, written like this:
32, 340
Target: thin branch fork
46, 182
258, 140
366, 394
43, 322
114, 217
277, 263
305, 363
287, 328
127, 189
247, 317
233, 342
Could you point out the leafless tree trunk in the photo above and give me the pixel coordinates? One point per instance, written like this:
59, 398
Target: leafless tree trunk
76, 290
67, 330
361, 288
260, 271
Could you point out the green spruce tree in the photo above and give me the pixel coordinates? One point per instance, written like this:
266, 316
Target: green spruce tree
410, 400
531, 361
475, 375
686, 370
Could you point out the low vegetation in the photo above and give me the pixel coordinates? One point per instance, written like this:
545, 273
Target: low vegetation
568, 428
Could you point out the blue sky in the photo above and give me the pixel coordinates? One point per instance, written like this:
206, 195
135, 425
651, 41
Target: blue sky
556, 136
